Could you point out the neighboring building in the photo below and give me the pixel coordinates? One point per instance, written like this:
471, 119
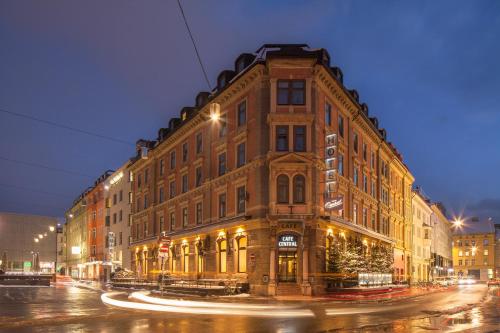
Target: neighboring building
266, 172
442, 239
96, 268
77, 253
497, 250
422, 237
118, 200
474, 249
61, 249
27, 242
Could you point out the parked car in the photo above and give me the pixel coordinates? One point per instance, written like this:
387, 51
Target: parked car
493, 282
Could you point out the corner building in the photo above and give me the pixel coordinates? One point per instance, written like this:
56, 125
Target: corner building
268, 170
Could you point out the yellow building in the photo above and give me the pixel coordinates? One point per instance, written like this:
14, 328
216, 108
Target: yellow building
422, 232
474, 250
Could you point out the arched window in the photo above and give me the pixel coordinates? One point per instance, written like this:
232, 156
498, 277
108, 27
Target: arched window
282, 188
223, 256
299, 189
242, 254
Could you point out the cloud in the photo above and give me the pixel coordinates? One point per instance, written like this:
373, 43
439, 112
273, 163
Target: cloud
485, 208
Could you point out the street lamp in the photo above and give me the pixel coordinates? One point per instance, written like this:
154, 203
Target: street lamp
36, 240
51, 228
457, 222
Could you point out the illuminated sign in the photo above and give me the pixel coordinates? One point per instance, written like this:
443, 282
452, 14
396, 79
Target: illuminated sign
332, 201
287, 241
75, 250
116, 178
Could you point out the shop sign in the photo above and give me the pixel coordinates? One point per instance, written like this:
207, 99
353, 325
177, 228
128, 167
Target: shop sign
287, 241
332, 202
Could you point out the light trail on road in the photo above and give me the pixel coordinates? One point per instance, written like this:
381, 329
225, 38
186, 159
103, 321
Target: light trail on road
284, 313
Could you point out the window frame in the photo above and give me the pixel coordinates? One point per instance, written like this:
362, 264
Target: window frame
290, 91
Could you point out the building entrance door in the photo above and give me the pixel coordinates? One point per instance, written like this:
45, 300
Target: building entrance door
287, 266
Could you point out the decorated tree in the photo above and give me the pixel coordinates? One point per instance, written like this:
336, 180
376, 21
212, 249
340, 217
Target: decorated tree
335, 255
381, 259
353, 259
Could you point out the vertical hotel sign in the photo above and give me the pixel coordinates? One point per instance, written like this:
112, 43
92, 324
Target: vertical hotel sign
333, 202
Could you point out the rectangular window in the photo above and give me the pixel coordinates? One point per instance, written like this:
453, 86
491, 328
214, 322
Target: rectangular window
355, 142
241, 200
172, 221
373, 189
328, 114
485, 242
365, 183
172, 189
138, 205
485, 252
184, 183
242, 113
162, 167
365, 152
184, 217
139, 181
222, 205
223, 256
161, 194
341, 126
162, 224
145, 229
222, 164
120, 215
115, 199
355, 176
299, 138
184, 152
198, 176
130, 198
282, 138
372, 160
121, 238
242, 255
121, 195
241, 158
199, 143
145, 201
146, 176
199, 213
291, 92
341, 165
365, 217
355, 213
223, 125
172, 160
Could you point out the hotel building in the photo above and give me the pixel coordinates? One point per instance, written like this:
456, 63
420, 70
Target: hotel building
474, 249
264, 173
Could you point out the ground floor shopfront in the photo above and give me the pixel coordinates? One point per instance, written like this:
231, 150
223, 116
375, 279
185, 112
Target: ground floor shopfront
271, 255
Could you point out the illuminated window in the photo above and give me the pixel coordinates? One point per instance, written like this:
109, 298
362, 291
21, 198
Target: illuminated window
485, 252
460, 253
185, 263
242, 255
223, 256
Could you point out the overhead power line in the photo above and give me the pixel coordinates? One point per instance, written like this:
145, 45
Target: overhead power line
36, 165
74, 129
22, 188
194, 45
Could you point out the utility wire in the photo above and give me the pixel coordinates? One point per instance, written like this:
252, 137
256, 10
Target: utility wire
74, 129
194, 45
22, 188
36, 165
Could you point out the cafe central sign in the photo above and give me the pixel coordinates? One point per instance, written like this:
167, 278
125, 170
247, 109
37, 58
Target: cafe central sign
332, 201
287, 241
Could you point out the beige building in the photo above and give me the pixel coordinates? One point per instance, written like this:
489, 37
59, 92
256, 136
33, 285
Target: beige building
117, 231
26, 240
474, 249
442, 239
76, 239
422, 238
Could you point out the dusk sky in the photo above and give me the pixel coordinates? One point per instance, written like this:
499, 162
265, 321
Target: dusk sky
429, 70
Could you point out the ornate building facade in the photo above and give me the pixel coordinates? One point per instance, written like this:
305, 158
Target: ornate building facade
265, 173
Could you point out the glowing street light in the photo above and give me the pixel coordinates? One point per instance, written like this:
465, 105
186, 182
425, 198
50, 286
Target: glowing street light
215, 111
36, 240
51, 228
458, 222
40, 236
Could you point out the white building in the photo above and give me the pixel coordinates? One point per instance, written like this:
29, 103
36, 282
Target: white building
442, 242
117, 229
422, 233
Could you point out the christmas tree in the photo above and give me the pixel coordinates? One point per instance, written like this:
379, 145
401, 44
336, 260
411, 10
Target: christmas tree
353, 258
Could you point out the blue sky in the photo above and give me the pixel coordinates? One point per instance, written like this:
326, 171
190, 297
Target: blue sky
428, 70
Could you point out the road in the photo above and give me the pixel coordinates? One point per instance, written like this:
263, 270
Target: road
75, 309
